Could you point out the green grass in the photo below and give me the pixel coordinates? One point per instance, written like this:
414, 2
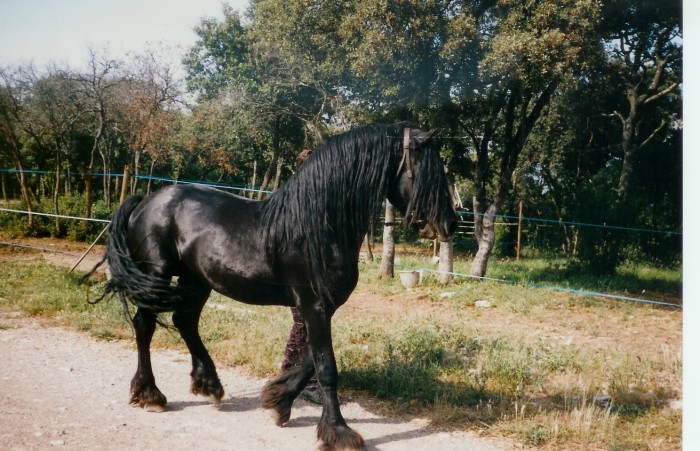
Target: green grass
538, 392
529, 283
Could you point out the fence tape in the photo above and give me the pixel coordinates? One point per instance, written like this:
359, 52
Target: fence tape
9, 210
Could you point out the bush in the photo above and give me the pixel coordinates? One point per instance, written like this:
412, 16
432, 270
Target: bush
16, 224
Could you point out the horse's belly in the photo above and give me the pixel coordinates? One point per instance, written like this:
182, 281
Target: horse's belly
252, 291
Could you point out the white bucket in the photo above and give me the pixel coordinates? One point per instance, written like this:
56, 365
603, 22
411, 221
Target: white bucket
409, 279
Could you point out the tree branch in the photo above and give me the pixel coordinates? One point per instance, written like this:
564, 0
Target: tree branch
660, 94
664, 122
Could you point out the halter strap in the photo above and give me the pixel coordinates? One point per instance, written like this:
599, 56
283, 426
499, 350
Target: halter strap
406, 158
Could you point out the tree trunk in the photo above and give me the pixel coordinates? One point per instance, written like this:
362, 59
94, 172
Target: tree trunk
255, 174
273, 162
386, 268
91, 167
87, 179
278, 173
106, 178
485, 234
117, 190
445, 267
368, 243
150, 178
69, 180
629, 150
23, 185
521, 111
137, 169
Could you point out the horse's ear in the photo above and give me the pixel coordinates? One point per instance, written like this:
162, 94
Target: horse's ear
426, 136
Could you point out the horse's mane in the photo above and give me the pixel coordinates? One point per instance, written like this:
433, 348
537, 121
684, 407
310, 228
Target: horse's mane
331, 197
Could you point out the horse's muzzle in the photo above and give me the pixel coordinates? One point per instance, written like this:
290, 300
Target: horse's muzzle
443, 231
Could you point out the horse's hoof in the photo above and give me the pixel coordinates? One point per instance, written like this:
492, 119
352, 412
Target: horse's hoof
215, 400
157, 408
274, 398
338, 438
148, 398
280, 418
209, 387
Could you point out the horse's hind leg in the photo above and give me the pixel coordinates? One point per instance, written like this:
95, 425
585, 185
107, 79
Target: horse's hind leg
205, 381
144, 392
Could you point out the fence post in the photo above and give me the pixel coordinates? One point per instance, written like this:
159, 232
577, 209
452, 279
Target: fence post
520, 225
125, 184
4, 187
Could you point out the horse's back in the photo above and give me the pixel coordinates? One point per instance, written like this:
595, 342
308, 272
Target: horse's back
168, 221
212, 234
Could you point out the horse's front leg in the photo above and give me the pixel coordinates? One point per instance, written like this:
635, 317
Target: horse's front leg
332, 430
144, 392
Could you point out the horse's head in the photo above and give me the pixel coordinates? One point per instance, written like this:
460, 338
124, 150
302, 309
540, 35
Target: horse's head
419, 189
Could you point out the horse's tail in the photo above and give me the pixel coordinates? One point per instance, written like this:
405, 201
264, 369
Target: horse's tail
126, 279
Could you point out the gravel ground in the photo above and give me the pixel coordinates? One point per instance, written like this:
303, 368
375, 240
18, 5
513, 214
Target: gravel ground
62, 389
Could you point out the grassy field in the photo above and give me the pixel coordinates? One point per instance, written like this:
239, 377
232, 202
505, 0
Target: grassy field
548, 369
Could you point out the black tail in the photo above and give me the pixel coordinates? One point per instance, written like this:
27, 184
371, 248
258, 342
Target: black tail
127, 280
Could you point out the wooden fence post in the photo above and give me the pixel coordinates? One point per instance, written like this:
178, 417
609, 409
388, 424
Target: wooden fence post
520, 225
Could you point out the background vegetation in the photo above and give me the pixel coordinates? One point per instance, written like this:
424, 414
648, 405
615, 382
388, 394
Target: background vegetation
573, 106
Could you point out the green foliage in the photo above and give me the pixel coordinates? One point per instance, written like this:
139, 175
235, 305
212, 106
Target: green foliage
15, 224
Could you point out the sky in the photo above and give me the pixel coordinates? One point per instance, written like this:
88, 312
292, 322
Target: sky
62, 31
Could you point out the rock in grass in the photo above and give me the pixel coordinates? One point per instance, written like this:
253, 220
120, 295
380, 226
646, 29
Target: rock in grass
482, 304
602, 400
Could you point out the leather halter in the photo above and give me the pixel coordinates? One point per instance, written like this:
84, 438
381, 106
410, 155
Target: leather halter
406, 158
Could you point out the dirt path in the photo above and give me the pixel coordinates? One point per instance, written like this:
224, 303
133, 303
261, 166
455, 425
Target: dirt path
59, 388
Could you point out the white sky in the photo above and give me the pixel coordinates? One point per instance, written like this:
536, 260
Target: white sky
61, 31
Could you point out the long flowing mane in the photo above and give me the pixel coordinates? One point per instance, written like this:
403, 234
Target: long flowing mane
339, 187
334, 193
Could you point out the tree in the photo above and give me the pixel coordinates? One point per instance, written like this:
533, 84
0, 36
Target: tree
226, 62
488, 68
96, 87
12, 95
644, 57
52, 117
151, 94
642, 76
529, 49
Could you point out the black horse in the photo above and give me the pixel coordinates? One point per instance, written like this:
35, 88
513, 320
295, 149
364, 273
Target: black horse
298, 248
